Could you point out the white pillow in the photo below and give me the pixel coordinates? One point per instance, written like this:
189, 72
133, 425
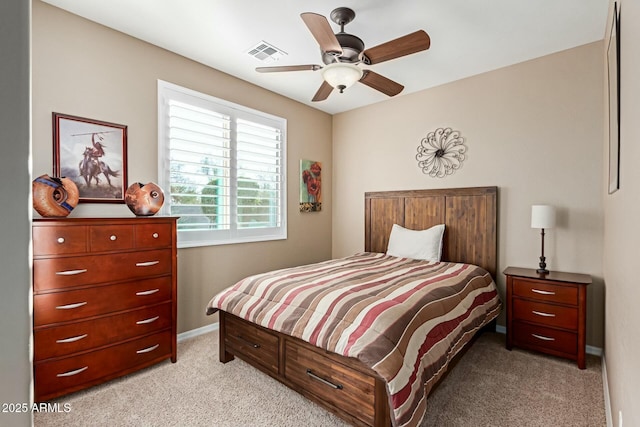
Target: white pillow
416, 244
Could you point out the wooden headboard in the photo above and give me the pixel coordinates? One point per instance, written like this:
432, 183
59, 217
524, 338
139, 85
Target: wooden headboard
469, 215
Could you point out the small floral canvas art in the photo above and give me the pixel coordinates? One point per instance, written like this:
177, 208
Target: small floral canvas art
310, 186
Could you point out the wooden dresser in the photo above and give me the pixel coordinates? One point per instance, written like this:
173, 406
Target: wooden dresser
547, 312
104, 299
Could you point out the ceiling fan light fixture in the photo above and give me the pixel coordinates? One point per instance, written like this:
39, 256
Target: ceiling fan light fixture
341, 75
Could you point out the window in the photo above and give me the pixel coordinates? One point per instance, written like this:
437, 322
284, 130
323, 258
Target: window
222, 167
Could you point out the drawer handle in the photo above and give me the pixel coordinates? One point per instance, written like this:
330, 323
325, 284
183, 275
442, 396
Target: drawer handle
60, 240
323, 381
147, 264
71, 272
72, 339
155, 235
72, 373
246, 341
71, 306
540, 337
113, 237
149, 292
148, 349
540, 313
538, 291
149, 320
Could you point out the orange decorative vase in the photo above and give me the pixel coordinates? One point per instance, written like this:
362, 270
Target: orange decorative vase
144, 199
54, 197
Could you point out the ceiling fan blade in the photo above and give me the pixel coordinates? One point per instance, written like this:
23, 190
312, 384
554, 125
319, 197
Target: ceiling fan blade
323, 93
381, 83
310, 67
322, 32
402, 46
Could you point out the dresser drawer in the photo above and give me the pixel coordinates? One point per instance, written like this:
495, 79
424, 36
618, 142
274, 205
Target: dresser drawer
331, 381
56, 273
540, 337
103, 238
564, 294
81, 336
56, 307
59, 240
546, 314
150, 236
53, 377
252, 341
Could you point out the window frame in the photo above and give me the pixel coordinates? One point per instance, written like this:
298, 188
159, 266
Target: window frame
197, 238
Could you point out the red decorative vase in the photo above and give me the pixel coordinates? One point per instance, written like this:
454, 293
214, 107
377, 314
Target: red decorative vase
144, 199
54, 197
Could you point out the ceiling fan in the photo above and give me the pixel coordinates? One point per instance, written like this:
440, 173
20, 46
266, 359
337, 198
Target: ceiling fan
343, 52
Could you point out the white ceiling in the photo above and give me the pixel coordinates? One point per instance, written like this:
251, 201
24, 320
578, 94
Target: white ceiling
468, 37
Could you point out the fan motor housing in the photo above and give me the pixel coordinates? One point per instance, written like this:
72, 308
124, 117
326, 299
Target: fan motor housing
351, 45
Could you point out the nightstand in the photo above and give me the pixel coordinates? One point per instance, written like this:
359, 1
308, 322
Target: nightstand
547, 312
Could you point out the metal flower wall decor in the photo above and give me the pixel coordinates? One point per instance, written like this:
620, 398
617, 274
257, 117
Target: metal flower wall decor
441, 153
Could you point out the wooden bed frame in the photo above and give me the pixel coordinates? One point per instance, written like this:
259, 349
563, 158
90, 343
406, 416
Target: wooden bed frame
345, 386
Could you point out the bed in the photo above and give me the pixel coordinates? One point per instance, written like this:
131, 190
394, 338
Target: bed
368, 336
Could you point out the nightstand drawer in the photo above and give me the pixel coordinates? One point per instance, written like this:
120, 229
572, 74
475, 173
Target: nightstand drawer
540, 337
545, 314
535, 289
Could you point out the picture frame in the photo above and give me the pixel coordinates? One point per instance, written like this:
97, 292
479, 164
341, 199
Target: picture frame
613, 80
93, 154
310, 186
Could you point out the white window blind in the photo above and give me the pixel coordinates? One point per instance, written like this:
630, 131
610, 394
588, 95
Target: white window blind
223, 168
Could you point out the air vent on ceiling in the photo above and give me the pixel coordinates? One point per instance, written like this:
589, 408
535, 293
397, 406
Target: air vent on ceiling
266, 52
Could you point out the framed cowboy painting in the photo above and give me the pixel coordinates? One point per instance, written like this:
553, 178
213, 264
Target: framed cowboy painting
93, 154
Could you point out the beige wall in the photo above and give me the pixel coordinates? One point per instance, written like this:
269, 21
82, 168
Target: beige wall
622, 234
84, 69
533, 129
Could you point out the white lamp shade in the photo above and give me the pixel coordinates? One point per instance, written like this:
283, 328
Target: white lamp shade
340, 74
543, 216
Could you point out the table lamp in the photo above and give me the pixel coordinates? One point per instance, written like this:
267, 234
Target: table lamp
543, 216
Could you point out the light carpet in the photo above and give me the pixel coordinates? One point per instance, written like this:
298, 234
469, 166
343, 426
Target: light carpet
490, 386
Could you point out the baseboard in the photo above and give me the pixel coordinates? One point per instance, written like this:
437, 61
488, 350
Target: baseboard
607, 398
596, 351
198, 331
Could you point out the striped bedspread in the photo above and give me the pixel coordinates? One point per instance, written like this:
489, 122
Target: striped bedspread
403, 318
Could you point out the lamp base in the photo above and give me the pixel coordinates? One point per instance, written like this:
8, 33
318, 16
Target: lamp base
543, 266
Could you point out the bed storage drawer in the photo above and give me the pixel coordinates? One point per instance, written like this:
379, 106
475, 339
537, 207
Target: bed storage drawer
252, 342
347, 389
